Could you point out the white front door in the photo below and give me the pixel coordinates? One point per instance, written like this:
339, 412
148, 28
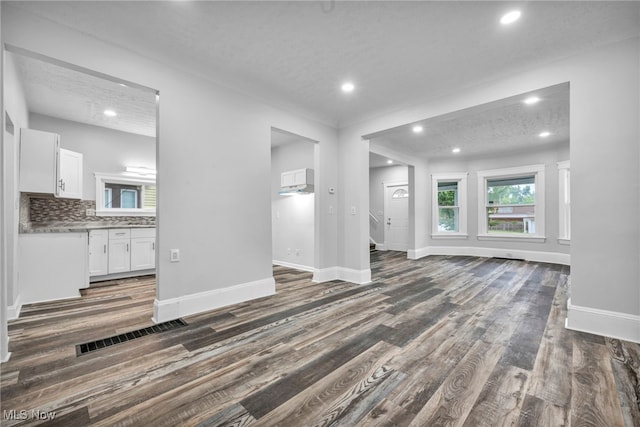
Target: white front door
397, 218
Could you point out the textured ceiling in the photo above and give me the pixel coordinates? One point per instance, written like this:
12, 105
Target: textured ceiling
295, 54
379, 161
68, 94
496, 127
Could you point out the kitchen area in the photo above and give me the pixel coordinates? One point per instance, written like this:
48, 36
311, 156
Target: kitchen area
85, 182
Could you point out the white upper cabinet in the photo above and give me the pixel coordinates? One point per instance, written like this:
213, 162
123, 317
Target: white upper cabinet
296, 177
70, 175
46, 168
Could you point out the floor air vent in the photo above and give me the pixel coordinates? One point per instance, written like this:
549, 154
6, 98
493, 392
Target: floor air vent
128, 336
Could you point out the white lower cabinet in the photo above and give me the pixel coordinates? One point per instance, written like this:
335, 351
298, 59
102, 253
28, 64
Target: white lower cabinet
143, 248
98, 252
118, 251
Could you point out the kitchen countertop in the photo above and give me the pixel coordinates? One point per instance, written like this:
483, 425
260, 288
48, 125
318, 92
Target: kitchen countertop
76, 227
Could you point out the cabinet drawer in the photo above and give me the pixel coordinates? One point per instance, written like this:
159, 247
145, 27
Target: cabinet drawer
119, 233
143, 232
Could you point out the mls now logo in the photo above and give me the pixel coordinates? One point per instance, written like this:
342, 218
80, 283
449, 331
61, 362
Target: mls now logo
34, 414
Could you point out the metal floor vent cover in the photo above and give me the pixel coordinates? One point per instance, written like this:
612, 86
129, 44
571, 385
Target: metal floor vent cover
128, 336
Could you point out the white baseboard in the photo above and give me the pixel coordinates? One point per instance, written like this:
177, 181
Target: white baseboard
173, 308
325, 274
342, 273
537, 256
6, 358
294, 266
381, 247
13, 311
123, 275
603, 322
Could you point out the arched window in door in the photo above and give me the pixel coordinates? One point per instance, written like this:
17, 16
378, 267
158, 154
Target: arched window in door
400, 193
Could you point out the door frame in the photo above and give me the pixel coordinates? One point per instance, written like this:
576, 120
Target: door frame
386, 185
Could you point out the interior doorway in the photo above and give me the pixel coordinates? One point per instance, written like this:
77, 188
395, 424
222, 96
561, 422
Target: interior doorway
293, 201
389, 196
113, 124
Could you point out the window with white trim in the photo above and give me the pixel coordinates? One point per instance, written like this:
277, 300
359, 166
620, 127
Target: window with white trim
564, 202
449, 202
511, 203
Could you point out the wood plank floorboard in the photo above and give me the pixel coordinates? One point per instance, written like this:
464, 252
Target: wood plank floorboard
443, 340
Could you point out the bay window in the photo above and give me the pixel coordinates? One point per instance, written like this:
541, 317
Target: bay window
511, 203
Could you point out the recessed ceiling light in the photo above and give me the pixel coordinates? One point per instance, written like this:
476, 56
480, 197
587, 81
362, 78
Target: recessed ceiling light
389, 161
417, 129
531, 100
455, 150
544, 134
110, 113
348, 87
510, 17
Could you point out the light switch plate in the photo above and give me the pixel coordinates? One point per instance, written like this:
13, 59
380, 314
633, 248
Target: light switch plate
175, 255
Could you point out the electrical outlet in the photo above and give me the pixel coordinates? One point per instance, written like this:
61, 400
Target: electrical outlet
353, 210
175, 255
90, 212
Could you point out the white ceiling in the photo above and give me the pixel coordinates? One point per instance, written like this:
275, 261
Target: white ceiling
294, 55
280, 137
65, 93
502, 126
379, 161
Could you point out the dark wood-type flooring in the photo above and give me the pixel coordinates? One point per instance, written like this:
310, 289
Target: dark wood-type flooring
438, 341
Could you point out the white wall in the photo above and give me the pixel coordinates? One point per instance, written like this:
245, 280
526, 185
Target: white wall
16, 107
292, 217
604, 148
104, 150
377, 178
4, 340
213, 171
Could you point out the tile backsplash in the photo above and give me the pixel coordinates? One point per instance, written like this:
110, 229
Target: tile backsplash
38, 209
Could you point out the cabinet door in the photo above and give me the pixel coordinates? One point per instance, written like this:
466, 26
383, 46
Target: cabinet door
98, 256
70, 174
38, 161
287, 179
119, 255
143, 253
300, 177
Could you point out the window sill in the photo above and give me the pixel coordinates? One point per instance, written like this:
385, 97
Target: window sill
461, 236
126, 212
506, 238
566, 242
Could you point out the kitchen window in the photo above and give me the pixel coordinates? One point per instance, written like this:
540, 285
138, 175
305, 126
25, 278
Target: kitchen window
449, 201
125, 195
511, 203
